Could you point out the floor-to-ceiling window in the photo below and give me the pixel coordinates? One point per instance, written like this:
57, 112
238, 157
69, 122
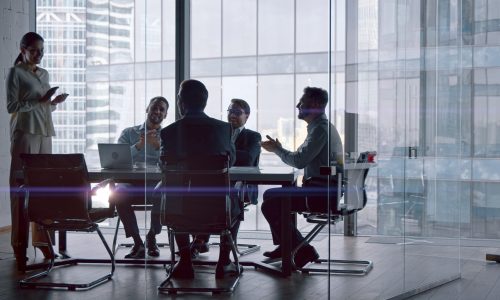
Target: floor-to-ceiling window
422, 77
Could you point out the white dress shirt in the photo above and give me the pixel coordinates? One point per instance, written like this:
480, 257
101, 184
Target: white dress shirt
24, 91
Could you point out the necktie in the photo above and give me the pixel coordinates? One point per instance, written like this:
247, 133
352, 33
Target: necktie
235, 135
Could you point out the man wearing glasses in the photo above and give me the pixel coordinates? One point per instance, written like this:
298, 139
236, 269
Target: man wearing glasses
247, 144
246, 141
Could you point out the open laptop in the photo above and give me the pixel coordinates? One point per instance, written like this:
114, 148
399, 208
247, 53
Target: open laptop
115, 156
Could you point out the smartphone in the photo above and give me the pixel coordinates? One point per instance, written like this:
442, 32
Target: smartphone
52, 90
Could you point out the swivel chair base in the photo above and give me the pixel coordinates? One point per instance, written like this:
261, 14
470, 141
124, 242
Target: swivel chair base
243, 249
32, 281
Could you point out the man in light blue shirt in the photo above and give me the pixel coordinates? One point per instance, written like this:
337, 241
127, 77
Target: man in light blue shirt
321, 147
141, 152
144, 141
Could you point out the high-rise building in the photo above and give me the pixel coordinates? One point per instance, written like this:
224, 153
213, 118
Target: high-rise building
62, 24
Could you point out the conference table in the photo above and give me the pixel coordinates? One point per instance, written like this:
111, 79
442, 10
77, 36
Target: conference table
284, 175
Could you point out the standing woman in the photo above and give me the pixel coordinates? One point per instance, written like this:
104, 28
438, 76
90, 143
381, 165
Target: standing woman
30, 106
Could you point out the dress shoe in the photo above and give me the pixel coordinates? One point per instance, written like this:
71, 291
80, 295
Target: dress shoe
21, 262
276, 253
305, 255
137, 251
202, 247
197, 248
183, 271
194, 253
230, 269
20, 258
152, 247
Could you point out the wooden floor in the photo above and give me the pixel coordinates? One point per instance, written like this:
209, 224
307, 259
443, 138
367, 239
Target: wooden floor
397, 267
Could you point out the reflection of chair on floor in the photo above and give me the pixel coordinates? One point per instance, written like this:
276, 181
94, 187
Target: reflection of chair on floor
58, 197
404, 201
197, 202
354, 200
415, 195
402, 194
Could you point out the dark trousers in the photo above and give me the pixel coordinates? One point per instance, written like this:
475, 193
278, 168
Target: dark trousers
183, 239
236, 212
301, 200
236, 204
127, 195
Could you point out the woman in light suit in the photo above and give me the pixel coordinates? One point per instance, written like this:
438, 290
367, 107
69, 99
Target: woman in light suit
30, 107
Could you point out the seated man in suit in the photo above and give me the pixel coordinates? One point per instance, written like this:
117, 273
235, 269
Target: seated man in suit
144, 141
184, 140
314, 152
247, 143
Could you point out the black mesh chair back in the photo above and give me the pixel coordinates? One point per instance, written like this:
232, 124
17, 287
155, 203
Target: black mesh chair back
195, 195
58, 187
58, 197
196, 200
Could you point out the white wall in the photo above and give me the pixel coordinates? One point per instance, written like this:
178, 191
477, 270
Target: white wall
14, 22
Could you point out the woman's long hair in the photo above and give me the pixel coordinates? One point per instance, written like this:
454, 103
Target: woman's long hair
28, 39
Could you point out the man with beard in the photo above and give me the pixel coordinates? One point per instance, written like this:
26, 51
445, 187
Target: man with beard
321, 146
144, 141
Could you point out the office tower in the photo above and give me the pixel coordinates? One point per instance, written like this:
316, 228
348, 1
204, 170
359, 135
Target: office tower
62, 25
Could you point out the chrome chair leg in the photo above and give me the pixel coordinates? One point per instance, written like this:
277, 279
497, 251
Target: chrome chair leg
365, 265
31, 281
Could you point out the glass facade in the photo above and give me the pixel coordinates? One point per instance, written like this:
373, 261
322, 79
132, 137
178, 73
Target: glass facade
130, 59
420, 78
62, 25
111, 57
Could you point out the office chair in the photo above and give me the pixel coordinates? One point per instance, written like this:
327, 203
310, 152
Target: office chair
58, 197
355, 199
196, 200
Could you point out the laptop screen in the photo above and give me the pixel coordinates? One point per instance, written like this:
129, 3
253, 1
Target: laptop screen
115, 156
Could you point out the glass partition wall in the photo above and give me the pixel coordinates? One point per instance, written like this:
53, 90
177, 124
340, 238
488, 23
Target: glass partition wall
413, 80
405, 86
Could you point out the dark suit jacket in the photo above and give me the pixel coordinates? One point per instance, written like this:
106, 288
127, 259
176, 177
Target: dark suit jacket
196, 136
247, 154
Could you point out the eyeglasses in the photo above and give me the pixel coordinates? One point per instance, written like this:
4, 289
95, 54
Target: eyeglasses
235, 112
